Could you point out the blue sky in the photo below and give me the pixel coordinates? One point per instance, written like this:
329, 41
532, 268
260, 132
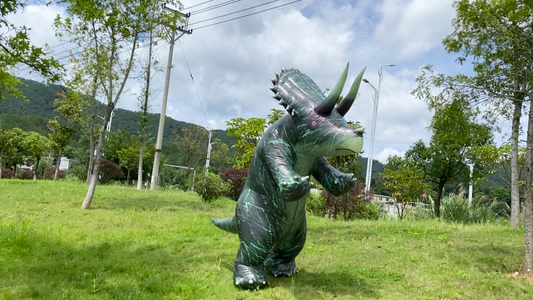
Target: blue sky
232, 63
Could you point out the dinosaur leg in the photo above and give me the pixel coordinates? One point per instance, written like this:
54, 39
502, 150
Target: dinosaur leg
280, 261
257, 235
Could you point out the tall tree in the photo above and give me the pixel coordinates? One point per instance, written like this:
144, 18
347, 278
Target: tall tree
109, 31
528, 253
498, 36
60, 136
406, 181
36, 146
456, 138
192, 143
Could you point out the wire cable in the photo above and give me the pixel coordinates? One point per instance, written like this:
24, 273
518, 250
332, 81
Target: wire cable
247, 15
194, 84
235, 12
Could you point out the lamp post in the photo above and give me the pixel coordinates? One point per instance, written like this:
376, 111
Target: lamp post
373, 128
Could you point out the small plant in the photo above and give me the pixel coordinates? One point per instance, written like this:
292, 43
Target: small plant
78, 171
7, 173
210, 187
26, 174
109, 171
235, 177
316, 204
50, 171
458, 209
346, 206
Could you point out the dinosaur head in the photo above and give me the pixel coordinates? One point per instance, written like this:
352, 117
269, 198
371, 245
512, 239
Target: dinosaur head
320, 127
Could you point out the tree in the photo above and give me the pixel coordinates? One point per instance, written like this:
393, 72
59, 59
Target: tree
129, 159
15, 47
105, 30
36, 145
247, 133
456, 139
498, 36
407, 182
12, 150
192, 143
60, 136
8, 83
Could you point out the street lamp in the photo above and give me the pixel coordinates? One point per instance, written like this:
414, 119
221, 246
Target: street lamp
373, 128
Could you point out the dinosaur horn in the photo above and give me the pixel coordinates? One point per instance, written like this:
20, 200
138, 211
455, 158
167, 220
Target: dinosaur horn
327, 106
347, 102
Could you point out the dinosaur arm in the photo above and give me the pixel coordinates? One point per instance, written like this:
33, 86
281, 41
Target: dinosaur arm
330, 178
279, 158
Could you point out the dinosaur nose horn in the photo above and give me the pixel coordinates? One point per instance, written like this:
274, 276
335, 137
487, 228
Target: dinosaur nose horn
327, 106
347, 102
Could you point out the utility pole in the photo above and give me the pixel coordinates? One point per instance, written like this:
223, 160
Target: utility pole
209, 146
159, 142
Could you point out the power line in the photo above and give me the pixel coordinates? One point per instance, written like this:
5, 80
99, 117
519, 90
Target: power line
198, 4
235, 12
194, 84
214, 7
247, 15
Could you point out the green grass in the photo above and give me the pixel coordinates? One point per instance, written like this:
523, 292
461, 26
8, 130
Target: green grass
161, 245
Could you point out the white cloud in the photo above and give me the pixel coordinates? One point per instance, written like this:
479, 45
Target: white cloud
232, 63
384, 155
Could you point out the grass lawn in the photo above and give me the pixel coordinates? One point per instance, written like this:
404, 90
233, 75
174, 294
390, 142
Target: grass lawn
162, 245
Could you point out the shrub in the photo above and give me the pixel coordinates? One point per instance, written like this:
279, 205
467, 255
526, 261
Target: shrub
456, 209
50, 171
109, 171
316, 204
235, 177
347, 206
368, 211
78, 171
7, 173
26, 174
210, 187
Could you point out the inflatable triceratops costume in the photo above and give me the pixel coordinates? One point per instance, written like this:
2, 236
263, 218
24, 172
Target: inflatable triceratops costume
270, 214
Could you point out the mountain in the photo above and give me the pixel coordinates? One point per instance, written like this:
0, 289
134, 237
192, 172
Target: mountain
34, 113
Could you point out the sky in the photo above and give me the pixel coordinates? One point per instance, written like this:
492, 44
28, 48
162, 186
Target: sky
232, 63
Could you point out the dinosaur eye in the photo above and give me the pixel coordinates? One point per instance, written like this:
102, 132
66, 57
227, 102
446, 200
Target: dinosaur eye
313, 123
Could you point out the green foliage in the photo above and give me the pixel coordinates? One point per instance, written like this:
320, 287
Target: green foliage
315, 204
192, 143
209, 187
247, 133
78, 171
406, 181
457, 209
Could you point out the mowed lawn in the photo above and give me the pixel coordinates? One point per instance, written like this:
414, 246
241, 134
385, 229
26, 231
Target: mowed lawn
162, 245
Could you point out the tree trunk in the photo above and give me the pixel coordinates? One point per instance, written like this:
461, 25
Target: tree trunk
515, 174
36, 168
140, 174
528, 204
128, 178
437, 199
57, 166
1, 163
96, 165
91, 152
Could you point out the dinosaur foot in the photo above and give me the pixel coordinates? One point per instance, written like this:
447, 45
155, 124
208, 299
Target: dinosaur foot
282, 269
250, 278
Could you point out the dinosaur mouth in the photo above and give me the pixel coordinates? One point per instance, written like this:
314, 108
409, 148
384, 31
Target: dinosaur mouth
347, 150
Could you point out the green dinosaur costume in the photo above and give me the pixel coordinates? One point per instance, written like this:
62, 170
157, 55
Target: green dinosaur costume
270, 214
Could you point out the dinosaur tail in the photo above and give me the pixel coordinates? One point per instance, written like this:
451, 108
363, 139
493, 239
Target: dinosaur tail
227, 224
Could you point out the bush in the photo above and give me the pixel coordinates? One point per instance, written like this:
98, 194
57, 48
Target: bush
347, 206
109, 171
50, 171
7, 173
368, 211
235, 177
210, 187
316, 204
456, 209
78, 171
26, 174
